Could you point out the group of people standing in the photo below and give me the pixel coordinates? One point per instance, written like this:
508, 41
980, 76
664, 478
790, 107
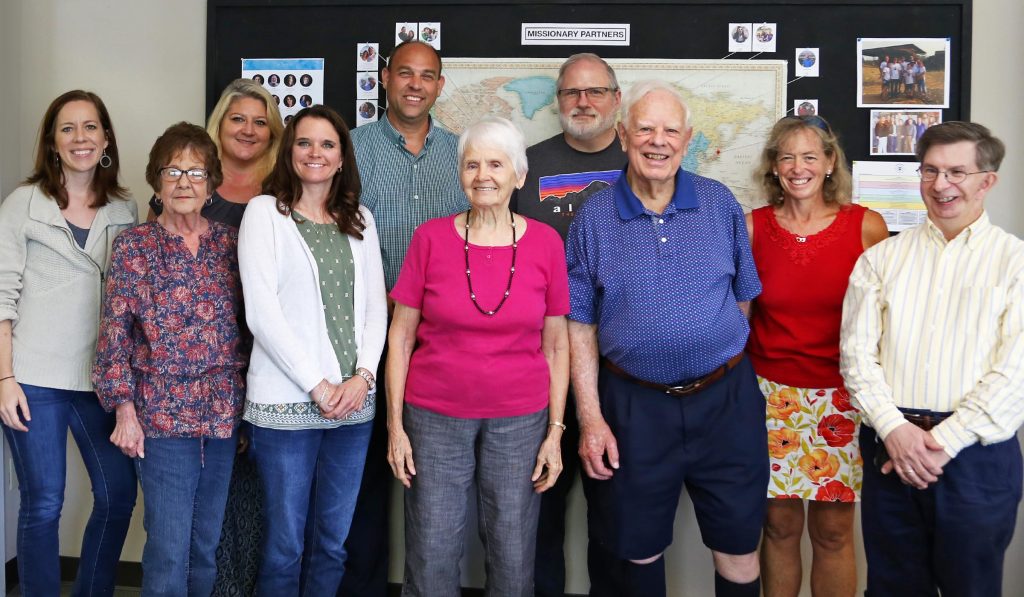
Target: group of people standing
899, 134
903, 76
455, 279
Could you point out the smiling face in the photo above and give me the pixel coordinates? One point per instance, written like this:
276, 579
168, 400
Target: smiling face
488, 177
655, 137
245, 130
184, 196
413, 83
953, 207
802, 166
582, 117
316, 154
78, 136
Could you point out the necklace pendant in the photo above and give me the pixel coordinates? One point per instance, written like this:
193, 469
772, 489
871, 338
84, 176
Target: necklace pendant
801, 239
490, 312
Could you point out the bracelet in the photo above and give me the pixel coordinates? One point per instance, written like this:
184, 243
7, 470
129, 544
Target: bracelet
6, 378
559, 424
323, 393
367, 377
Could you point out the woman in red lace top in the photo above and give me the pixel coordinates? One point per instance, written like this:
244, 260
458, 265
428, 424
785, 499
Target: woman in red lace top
805, 242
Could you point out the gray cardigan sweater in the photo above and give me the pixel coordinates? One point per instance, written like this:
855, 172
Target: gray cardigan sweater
50, 289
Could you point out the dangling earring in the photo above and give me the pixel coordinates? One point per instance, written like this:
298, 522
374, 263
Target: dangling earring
105, 160
158, 200
828, 174
209, 201
56, 158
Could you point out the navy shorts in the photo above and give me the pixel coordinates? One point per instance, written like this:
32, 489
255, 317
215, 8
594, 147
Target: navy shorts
714, 441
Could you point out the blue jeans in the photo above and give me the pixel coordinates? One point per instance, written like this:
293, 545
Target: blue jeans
185, 485
40, 461
310, 482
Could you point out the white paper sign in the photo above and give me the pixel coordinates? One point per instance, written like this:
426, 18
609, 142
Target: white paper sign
893, 189
575, 34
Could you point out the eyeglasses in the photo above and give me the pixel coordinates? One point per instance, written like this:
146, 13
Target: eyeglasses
592, 93
954, 176
815, 121
172, 174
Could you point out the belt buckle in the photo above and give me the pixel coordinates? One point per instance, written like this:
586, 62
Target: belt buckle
684, 389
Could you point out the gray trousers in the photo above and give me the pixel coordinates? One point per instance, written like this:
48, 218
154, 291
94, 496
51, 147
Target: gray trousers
452, 454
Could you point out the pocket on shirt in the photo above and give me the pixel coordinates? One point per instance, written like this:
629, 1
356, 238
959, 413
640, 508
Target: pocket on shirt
980, 309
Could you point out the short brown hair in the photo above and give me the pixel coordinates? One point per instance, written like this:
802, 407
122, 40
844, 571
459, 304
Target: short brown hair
178, 138
838, 187
49, 174
989, 150
343, 196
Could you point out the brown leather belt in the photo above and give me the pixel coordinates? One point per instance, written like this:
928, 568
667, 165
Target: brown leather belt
681, 389
926, 422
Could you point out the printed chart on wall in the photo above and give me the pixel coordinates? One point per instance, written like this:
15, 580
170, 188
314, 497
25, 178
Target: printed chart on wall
294, 83
893, 190
734, 105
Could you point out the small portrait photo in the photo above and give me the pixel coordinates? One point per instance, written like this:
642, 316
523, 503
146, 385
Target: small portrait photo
289, 101
903, 72
367, 110
288, 118
306, 101
739, 37
367, 82
366, 56
764, 37
277, 100
274, 80
289, 80
405, 32
805, 107
806, 62
258, 78
896, 132
306, 80
431, 33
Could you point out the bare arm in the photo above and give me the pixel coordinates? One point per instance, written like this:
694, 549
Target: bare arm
596, 438
873, 229
555, 345
401, 340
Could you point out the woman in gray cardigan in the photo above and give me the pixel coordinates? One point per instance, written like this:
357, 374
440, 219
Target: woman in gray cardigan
55, 237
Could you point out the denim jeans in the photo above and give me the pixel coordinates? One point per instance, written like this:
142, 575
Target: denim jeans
310, 482
452, 454
40, 461
185, 485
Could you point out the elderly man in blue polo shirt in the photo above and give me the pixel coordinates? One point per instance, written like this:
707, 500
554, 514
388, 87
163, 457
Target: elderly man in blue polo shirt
661, 276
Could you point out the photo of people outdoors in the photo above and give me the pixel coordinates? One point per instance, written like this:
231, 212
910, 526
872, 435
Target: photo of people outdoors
896, 132
903, 71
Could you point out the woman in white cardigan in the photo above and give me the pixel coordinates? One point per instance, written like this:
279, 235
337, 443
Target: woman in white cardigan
315, 302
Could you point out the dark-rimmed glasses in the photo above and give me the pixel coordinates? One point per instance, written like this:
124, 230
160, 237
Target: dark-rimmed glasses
592, 93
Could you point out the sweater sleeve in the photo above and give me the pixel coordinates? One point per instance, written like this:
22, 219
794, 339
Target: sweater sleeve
12, 255
376, 322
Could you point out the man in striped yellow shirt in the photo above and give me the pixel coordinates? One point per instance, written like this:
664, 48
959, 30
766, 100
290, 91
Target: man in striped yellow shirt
933, 355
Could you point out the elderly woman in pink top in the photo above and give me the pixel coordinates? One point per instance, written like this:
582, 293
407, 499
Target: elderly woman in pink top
477, 374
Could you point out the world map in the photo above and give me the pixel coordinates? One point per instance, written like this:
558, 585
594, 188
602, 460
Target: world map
733, 105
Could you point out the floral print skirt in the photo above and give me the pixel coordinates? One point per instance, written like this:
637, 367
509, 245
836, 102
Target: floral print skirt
812, 443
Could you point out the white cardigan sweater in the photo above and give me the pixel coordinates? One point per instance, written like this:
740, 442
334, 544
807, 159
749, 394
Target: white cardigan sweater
284, 309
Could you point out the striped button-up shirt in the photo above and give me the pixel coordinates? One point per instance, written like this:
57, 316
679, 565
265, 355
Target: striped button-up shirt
403, 190
936, 325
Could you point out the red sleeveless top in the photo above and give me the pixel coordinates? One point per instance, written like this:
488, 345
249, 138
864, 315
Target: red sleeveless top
794, 323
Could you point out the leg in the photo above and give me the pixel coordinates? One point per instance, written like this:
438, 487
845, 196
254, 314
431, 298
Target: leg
114, 487
435, 506
366, 565
975, 514
780, 548
170, 476
208, 513
834, 567
894, 522
508, 506
736, 575
339, 467
40, 459
238, 554
549, 562
286, 460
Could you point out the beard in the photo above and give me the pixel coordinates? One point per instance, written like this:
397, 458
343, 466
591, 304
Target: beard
585, 131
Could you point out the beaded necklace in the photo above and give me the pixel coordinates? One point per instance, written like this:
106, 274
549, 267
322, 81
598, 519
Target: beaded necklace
511, 271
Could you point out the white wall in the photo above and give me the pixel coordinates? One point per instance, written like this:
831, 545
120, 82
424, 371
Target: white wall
147, 58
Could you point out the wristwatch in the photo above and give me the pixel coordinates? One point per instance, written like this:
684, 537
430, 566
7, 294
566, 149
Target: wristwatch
367, 377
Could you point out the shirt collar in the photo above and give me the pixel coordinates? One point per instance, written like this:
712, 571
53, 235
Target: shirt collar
629, 205
971, 235
392, 133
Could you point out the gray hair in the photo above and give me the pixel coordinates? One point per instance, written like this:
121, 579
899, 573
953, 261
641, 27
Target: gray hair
613, 81
499, 133
640, 89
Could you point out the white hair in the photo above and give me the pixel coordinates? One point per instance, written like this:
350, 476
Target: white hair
499, 133
640, 89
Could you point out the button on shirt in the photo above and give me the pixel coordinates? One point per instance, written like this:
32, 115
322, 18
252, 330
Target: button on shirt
663, 288
403, 190
937, 325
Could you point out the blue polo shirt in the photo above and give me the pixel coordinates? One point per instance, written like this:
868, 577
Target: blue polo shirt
663, 288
